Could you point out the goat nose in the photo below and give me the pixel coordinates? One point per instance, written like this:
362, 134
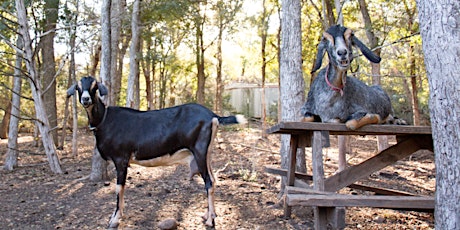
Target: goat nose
85, 99
342, 52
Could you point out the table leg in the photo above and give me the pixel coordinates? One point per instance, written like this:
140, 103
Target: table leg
294, 142
323, 216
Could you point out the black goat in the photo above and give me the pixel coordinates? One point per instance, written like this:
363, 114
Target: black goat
336, 97
152, 138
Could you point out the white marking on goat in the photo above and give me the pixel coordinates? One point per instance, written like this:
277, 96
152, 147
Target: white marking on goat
85, 94
183, 156
118, 213
240, 119
211, 214
340, 44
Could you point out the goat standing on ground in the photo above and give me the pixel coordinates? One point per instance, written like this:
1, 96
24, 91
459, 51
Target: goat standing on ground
336, 98
152, 138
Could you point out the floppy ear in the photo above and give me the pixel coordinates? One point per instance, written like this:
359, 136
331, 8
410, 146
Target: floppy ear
71, 90
319, 55
366, 51
102, 89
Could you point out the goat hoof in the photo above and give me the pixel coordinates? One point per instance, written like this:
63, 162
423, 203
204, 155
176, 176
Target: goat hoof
210, 222
352, 124
308, 119
113, 225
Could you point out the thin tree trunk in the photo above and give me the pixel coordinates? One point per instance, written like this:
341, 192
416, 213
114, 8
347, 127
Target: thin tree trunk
48, 71
98, 164
219, 84
145, 65
439, 21
382, 141
201, 78
35, 85
11, 158
95, 60
412, 66
264, 31
71, 80
5, 122
132, 100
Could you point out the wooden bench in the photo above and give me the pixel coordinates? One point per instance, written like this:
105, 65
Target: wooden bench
322, 195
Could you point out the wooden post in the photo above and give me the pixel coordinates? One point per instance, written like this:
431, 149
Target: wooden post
291, 170
323, 216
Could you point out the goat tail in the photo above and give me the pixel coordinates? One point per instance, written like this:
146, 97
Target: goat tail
237, 119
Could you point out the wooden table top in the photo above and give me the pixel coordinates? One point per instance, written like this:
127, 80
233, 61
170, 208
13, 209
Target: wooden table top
341, 129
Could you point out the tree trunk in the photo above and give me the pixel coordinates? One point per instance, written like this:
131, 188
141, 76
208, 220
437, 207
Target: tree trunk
35, 85
71, 80
219, 84
412, 66
98, 164
414, 91
95, 59
11, 158
439, 28
263, 36
201, 78
48, 71
5, 122
382, 141
133, 80
291, 80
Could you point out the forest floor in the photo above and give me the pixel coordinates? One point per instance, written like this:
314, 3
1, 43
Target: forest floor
31, 197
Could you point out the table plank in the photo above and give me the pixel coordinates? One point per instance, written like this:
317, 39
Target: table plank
341, 129
376, 201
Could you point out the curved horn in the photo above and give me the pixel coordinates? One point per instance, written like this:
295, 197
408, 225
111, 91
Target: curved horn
366, 51
319, 55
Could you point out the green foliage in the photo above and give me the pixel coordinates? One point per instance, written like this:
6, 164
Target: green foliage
169, 36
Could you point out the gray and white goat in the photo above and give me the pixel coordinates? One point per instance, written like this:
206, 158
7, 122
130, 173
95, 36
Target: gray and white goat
335, 97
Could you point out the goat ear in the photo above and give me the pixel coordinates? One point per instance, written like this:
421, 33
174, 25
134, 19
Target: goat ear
320, 54
366, 51
71, 90
102, 89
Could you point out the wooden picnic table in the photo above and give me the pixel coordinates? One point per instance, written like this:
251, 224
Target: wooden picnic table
329, 211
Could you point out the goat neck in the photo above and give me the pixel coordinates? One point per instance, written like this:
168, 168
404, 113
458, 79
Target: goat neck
96, 113
336, 78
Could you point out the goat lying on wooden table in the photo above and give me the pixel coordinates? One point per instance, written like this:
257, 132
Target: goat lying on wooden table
335, 97
152, 138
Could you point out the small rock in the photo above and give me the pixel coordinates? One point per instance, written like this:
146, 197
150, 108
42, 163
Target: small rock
379, 219
168, 224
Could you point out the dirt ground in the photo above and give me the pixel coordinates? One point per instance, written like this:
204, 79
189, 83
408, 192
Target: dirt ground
31, 197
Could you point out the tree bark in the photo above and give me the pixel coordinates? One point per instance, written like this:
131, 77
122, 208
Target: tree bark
200, 49
116, 12
35, 85
98, 164
263, 35
382, 141
291, 78
412, 66
11, 158
439, 28
5, 122
132, 99
48, 70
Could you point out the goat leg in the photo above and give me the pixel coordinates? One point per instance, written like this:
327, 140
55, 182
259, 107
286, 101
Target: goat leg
118, 213
369, 118
309, 117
